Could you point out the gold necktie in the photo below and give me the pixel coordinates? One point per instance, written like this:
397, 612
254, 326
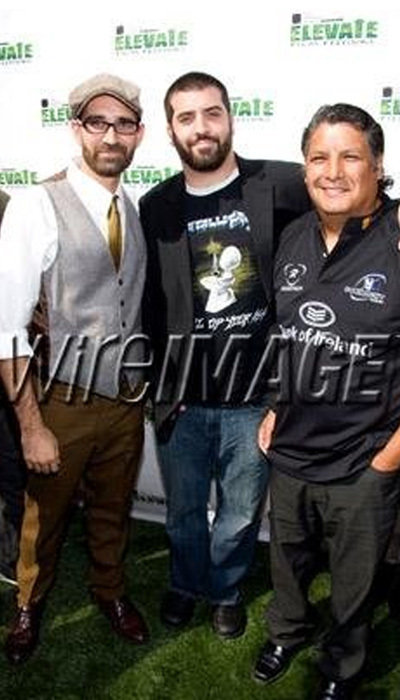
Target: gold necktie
114, 232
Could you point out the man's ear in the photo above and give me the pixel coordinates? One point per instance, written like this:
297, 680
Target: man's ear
140, 134
169, 132
379, 167
76, 130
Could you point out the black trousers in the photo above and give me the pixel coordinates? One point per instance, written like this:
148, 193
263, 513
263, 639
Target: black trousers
353, 518
12, 482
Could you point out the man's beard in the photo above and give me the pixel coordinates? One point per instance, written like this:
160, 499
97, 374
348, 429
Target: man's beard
107, 167
204, 162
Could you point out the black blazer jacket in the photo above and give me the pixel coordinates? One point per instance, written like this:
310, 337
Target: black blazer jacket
273, 194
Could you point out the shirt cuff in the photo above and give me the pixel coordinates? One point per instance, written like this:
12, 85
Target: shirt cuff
14, 345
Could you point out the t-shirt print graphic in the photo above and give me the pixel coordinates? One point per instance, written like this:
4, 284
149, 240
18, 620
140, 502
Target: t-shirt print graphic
220, 280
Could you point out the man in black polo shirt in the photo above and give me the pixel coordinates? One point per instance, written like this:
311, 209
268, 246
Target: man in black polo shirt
334, 440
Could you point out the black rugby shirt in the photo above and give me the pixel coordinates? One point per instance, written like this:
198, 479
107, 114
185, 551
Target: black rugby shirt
339, 369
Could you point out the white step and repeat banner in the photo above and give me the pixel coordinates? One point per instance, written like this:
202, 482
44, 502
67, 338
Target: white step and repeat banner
280, 61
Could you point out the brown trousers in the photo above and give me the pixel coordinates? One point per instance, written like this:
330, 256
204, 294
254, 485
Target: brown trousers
100, 444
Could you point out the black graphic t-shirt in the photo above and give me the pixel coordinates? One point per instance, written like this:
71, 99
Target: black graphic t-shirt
231, 314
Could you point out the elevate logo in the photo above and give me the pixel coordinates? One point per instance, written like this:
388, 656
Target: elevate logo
18, 178
390, 103
147, 176
307, 30
254, 108
150, 40
15, 52
54, 113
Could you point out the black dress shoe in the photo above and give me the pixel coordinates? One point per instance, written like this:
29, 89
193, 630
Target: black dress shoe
386, 588
125, 619
23, 636
176, 609
273, 661
229, 621
394, 608
336, 690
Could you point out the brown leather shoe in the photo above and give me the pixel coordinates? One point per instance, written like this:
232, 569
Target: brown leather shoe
125, 619
23, 636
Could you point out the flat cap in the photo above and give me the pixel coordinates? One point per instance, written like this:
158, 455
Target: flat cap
104, 84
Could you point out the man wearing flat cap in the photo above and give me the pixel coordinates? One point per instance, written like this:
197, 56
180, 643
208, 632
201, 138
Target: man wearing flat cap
75, 243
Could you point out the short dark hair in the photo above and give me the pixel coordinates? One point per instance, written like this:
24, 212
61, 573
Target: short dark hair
194, 81
357, 117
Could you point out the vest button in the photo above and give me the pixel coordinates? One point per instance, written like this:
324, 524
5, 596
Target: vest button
120, 282
122, 303
123, 324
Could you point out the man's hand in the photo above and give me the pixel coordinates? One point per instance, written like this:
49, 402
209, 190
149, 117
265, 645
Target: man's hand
39, 445
383, 461
40, 448
265, 431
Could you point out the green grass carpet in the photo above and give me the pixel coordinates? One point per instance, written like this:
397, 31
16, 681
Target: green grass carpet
80, 657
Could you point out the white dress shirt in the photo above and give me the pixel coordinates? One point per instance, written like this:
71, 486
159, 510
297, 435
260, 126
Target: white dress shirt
28, 247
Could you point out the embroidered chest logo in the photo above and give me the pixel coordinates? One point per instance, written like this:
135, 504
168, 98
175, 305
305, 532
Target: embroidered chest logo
293, 274
317, 314
370, 287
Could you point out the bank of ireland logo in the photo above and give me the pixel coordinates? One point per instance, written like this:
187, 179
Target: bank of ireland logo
312, 30
370, 287
317, 314
293, 274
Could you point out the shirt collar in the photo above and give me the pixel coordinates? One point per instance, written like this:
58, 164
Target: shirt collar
204, 191
95, 197
356, 224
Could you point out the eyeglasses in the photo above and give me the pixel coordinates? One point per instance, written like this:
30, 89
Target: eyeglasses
98, 125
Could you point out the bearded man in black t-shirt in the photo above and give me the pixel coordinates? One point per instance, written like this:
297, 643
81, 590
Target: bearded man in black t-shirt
211, 233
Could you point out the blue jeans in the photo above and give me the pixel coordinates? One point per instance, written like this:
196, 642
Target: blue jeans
209, 443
